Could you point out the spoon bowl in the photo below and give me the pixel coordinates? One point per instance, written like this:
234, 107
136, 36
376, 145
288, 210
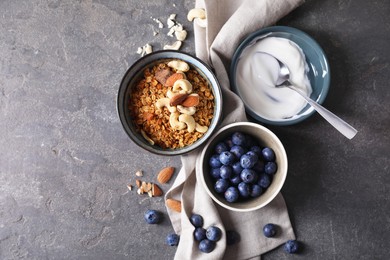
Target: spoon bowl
283, 80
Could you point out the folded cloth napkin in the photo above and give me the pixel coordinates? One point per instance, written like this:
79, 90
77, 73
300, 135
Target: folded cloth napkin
228, 22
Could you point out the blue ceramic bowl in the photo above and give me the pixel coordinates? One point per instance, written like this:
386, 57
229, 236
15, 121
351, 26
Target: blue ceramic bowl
131, 78
319, 74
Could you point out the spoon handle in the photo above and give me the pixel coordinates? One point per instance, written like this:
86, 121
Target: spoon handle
343, 127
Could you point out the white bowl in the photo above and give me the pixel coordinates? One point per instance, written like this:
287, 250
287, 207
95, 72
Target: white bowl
265, 138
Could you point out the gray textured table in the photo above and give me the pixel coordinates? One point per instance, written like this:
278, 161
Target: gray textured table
65, 160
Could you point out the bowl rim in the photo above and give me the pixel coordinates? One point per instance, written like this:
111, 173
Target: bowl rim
296, 32
230, 206
137, 66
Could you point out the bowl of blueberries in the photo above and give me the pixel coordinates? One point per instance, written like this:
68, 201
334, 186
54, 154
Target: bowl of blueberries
244, 166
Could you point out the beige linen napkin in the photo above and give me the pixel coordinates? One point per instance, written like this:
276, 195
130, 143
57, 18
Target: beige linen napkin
228, 22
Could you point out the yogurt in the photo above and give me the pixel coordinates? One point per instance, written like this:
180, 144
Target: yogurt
256, 76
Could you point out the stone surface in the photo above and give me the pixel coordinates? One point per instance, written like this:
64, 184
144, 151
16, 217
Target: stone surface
65, 160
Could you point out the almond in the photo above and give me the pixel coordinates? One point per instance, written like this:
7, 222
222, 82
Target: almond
156, 190
173, 204
191, 101
178, 99
172, 79
165, 174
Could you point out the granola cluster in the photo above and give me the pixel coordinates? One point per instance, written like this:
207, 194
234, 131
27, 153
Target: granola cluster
154, 122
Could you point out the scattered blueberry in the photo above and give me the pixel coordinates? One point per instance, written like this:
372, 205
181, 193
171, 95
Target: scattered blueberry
268, 154
221, 147
238, 151
206, 246
199, 233
270, 168
213, 233
238, 138
152, 216
244, 189
291, 246
226, 171
172, 239
226, 158
248, 175
196, 220
232, 237
247, 161
264, 180
221, 185
216, 173
214, 161
269, 230
231, 194
256, 191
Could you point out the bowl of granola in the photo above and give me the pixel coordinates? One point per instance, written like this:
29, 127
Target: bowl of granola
169, 102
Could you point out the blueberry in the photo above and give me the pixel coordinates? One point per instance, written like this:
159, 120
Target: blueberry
226, 171
152, 216
248, 175
235, 179
221, 185
238, 138
237, 169
256, 191
244, 189
256, 149
229, 143
247, 161
291, 246
226, 158
258, 167
172, 239
254, 155
232, 237
250, 141
238, 151
214, 161
231, 194
213, 233
196, 220
199, 234
269, 230
206, 246
264, 180
215, 173
221, 147
268, 154
270, 168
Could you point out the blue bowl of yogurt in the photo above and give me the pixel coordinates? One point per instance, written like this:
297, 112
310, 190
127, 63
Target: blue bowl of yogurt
252, 73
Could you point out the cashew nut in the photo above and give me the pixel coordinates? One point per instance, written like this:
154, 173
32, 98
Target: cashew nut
181, 35
174, 122
186, 110
189, 121
196, 13
164, 102
170, 93
179, 65
182, 84
175, 46
147, 138
201, 129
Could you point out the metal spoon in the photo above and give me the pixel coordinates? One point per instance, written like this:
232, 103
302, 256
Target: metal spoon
283, 81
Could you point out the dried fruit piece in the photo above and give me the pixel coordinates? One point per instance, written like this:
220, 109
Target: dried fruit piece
191, 101
162, 75
139, 173
138, 183
130, 187
156, 190
147, 116
173, 204
165, 175
172, 79
177, 99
